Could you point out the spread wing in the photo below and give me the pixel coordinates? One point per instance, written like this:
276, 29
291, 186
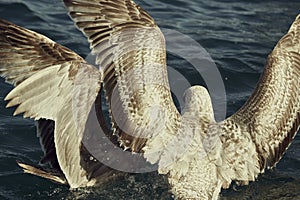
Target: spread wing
50, 81
270, 118
131, 50
255, 137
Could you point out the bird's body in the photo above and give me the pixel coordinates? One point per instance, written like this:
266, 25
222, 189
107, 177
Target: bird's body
199, 156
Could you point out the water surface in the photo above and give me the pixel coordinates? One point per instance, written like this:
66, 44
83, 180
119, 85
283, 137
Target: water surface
238, 35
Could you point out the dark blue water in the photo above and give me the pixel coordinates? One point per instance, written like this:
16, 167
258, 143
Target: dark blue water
238, 35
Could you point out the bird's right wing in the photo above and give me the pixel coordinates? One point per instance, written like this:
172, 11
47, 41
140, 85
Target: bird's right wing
258, 134
52, 83
255, 137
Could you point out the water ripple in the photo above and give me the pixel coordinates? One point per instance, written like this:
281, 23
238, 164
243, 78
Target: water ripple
238, 34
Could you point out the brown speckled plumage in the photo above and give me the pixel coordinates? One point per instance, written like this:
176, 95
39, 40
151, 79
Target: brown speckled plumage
238, 149
48, 79
198, 155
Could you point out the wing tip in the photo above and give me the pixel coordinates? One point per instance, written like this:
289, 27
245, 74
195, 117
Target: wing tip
38, 171
4, 22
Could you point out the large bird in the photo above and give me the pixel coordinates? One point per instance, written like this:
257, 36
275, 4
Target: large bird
199, 156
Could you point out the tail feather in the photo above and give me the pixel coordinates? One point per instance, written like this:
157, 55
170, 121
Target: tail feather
39, 171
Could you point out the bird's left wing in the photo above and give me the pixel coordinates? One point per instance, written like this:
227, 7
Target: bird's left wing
130, 48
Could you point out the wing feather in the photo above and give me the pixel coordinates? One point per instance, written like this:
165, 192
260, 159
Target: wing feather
24, 52
269, 120
52, 83
255, 137
131, 50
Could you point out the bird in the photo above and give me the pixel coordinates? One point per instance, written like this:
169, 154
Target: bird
198, 155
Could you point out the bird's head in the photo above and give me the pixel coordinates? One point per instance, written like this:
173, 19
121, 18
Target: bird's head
198, 102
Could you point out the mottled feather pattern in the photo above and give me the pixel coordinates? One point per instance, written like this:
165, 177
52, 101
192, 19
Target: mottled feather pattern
49, 100
198, 154
245, 143
46, 76
277, 118
128, 46
269, 120
24, 52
